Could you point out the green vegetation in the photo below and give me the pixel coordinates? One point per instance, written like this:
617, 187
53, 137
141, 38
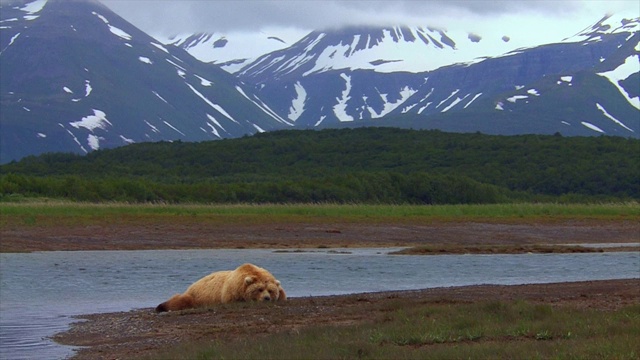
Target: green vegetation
61, 213
367, 165
485, 330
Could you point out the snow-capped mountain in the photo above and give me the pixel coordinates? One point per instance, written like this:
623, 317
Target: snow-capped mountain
234, 50
585, 85
608, 25
76, 77
385, 50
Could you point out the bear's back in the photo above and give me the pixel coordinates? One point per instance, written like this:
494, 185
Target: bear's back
210, 286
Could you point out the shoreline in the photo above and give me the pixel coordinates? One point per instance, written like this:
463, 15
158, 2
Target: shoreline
169, 235
143, 333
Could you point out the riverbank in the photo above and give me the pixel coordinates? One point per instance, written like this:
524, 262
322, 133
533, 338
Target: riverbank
133, 233
143, 333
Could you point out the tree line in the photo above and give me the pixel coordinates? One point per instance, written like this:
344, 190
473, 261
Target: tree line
372, 165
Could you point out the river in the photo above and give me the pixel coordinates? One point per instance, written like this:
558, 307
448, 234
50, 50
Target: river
40, 292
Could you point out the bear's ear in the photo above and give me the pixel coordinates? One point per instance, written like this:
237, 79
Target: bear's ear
278, 282
249, 280
282, 295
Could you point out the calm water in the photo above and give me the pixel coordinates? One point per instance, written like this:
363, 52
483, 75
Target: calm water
40, 292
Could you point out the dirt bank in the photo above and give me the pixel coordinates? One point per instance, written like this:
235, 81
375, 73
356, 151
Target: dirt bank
201, 234
143, 332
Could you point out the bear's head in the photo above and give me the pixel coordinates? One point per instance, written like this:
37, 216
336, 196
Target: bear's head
257, 289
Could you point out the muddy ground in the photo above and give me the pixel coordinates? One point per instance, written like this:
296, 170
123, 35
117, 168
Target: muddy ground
142, 333
202, 234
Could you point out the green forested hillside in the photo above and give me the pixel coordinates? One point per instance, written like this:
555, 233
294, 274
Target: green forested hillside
347, 165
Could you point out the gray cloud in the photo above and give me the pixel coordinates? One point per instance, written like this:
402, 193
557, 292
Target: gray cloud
171, 16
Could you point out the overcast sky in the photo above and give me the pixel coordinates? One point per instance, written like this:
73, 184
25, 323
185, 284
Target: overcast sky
541, 18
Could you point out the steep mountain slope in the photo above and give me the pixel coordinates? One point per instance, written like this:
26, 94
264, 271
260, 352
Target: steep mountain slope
586, 85
76, 77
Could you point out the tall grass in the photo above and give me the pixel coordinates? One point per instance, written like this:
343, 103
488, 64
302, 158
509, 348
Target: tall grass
486, 330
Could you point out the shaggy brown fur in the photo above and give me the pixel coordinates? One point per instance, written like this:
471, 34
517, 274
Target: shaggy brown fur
246, 283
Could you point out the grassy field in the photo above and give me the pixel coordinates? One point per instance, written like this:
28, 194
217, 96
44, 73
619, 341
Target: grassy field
74, 213
484, 330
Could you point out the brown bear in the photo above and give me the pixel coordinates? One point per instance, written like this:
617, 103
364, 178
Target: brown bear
246, 283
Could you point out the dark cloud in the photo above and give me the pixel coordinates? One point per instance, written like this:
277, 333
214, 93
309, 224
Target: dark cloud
171, 16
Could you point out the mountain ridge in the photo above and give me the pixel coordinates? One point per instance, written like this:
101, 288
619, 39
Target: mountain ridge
63, 90
76, 77
334, 97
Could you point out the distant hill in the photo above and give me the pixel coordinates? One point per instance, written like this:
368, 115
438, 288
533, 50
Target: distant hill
360, 165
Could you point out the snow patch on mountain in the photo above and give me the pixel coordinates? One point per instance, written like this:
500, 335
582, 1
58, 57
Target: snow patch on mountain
160, 97
13, 38
232, 51
455, 102
216, 107
391, 49
605, 113
152, 127
215, 122
160, 47
610, 24
264, 107
75, 139
340, 109
91, 122
405, 93
94, 141
127, 140
173, 127
447, 99
34, 6
145, 60
592, 127
114, 30
87, 88
214, 131
629, 67
176, 65
203, 81
297, 104
515, 98
397, 49
472, 100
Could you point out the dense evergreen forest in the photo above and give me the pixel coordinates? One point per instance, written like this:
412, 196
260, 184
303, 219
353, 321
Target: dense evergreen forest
364, 165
